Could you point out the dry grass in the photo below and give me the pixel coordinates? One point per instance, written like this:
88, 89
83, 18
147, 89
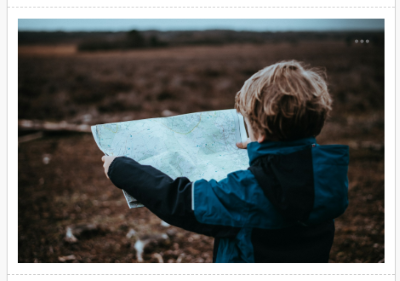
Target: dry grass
59, 84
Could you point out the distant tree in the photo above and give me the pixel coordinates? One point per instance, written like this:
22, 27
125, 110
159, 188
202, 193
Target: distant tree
155, 42
348, 40
134, 39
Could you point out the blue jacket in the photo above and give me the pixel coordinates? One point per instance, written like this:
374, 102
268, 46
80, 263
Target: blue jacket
279, 210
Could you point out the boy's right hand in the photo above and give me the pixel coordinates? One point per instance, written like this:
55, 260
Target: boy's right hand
107, 162
243, 145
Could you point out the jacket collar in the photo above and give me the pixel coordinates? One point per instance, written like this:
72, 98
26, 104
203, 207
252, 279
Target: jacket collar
255, 149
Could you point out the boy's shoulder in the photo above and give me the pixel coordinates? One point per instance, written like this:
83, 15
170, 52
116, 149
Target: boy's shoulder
317, 176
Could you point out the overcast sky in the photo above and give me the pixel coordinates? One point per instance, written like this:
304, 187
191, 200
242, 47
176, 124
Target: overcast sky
199, 24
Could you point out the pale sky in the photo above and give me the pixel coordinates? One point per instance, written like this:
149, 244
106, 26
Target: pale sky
201, 24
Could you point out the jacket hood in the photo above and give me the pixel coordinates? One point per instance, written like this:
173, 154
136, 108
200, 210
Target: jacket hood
304, 181
255, 149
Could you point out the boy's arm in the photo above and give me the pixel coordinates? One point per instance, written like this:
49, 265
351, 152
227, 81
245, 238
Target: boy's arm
170, 200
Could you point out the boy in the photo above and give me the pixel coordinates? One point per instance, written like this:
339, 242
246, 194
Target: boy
282, 208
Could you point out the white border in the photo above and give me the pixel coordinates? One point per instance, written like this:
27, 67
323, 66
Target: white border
238, 270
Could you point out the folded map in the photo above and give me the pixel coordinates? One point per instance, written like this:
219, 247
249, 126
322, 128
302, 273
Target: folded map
198, 145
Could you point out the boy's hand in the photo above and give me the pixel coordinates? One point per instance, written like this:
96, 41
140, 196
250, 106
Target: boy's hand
107, 162
243, 145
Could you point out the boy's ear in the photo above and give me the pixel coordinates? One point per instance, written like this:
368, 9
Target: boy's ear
261, 138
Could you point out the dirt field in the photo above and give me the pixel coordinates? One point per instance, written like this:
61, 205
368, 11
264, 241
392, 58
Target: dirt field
61, 181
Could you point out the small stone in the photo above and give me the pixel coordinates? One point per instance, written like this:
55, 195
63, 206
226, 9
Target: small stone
180, 258
158, 257
131, 233
171, 232
66, 258
86, 118
69, 236
168, 113
46, 158
149, 242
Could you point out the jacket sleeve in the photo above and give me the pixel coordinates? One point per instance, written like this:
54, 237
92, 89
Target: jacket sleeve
170, 200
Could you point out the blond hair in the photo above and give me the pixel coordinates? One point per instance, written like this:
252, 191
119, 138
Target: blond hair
285, 101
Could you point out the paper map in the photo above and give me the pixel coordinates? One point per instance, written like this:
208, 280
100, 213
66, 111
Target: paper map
197, 145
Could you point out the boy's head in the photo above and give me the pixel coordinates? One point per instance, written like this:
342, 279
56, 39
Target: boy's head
285, 101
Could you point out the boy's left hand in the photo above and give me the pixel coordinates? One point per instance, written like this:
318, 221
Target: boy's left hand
243, 145
107, 162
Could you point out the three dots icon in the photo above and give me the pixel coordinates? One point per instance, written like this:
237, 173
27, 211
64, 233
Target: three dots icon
361, 41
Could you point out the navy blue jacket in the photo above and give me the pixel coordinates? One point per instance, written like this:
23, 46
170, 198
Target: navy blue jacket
281, 209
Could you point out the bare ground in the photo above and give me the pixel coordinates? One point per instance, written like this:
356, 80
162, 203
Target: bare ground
71, 188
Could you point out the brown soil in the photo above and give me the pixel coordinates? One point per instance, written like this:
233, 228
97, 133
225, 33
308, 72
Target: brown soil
97, 88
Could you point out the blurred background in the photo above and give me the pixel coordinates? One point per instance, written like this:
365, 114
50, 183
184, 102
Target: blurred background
76, 73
